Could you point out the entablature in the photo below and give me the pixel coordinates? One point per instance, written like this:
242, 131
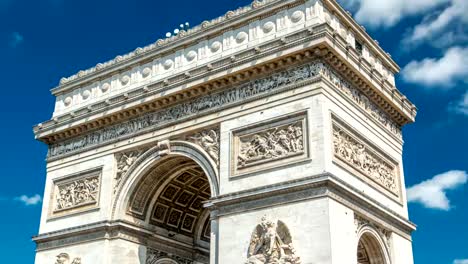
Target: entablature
183, 55
312, 43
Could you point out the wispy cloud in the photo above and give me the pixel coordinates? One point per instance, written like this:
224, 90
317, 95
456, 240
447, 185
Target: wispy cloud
443, 28
33, 200
432, 193
15, 39
387, 13
460, 261
460, 106
442, 72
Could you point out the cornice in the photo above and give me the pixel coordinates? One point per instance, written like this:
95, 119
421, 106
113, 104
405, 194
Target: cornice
312, 187
323, 185
217, 26
330, 47
231, 20
361, 32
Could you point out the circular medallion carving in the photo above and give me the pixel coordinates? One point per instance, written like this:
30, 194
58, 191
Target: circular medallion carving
241, 37
268, 27
125, 80
297, 16
68, 101
215, 46
168, 64
146, 72
192, 55
105, 87
86, 94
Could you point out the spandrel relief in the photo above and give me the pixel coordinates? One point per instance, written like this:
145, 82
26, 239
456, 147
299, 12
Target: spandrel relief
271, 243
209, 141
270, 144
124, 163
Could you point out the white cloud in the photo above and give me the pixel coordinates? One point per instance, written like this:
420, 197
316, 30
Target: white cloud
386, 13
432, 193
441, 72
461, 261
438, 26
33, 200
461, 106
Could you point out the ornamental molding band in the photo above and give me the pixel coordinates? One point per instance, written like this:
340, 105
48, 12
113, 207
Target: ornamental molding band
269, 145
209, 141
76, 193
354, 152
271, 243
124, 163
154, 256
64, 258
290, 78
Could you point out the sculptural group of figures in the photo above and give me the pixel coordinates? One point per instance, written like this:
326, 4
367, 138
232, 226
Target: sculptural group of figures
79, 192
64, 258
359, 156
272, 144
271, 244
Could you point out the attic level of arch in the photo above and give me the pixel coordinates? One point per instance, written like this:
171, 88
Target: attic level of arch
387, 97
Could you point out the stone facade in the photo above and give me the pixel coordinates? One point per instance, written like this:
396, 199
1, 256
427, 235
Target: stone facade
263, 136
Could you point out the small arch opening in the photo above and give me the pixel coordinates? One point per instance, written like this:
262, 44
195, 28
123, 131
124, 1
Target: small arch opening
369, 250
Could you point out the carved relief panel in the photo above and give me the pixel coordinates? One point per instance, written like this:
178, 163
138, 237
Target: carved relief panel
269, 145
64, 258
363, 159
271, 243
76, 193
155, 256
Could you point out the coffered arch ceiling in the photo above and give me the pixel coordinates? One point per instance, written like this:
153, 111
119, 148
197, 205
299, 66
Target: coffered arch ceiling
171, 196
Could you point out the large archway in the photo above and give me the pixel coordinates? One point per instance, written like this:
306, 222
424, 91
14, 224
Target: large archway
370, 249
164, 193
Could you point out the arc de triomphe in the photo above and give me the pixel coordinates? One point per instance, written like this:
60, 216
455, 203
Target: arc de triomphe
271, 134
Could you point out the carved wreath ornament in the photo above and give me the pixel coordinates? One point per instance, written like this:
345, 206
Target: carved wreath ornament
271, 243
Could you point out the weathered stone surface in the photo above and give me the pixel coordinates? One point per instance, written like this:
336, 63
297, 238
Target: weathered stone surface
268, 140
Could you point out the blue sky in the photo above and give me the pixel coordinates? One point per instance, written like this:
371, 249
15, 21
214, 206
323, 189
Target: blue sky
44, 40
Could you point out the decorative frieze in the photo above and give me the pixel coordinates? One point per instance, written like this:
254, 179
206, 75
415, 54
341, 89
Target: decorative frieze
77, 193
209, 141
216, 101
154, 256
365, 159
267, 145
271, 243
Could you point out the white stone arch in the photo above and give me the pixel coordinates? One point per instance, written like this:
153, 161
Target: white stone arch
376, 248
150, 159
